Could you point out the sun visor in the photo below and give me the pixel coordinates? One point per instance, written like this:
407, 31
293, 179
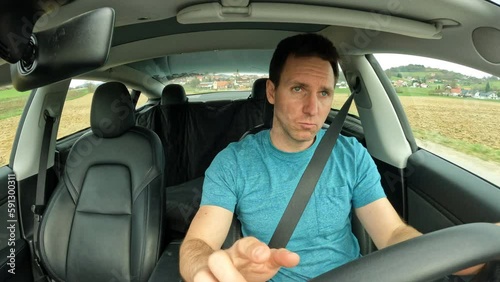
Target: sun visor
77, 46
241, 11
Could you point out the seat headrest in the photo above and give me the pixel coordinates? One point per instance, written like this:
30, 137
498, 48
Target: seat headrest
173, 94
259, 93
112, 112
259, 89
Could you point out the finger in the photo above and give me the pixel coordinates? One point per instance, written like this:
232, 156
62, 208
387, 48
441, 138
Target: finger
251, 249
283, 257
205, 276
258, 252
223, 269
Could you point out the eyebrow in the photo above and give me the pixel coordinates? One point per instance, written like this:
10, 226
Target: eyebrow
323, 88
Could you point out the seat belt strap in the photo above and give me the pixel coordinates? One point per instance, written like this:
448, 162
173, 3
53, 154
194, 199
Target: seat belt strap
309, 179
39, 207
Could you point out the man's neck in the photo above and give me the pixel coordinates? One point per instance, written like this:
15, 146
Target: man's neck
285, 143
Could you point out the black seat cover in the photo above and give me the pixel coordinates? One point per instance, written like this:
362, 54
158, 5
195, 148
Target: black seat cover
173, 94
104, 220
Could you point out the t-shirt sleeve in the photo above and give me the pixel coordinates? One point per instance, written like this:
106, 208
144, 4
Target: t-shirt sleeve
220, 182
367, 188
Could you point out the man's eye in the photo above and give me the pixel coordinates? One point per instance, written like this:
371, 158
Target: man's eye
296, 89
324, 94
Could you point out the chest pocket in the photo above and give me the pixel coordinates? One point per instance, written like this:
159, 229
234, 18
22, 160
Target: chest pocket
333, 205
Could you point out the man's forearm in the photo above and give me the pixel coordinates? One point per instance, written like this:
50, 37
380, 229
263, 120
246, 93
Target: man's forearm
194, 255
403, 233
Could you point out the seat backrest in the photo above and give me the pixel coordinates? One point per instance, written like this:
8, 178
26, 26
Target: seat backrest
173, 94
104, 221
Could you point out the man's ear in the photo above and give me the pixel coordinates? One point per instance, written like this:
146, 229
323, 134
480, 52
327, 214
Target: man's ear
270, 91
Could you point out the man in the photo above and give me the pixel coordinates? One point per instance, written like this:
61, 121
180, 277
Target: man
255, 179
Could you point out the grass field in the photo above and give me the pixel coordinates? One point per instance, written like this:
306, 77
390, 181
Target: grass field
467, 125
12, 102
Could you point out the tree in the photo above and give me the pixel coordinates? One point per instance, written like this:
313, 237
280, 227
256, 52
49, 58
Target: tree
90, 87
400, 75
193, 83
487, 88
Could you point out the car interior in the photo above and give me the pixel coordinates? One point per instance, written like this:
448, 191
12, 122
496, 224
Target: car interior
113, 201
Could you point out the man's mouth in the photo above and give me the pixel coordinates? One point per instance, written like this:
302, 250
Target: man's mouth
307, 125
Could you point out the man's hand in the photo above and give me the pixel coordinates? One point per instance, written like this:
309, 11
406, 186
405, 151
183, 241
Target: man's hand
248, 260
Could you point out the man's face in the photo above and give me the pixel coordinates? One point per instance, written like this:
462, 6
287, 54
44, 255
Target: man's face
302, 101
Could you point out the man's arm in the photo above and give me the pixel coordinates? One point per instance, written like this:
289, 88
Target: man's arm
386, 228
206, 234
384, 225
248, 260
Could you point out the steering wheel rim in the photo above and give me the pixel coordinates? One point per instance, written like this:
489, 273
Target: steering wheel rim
424, 258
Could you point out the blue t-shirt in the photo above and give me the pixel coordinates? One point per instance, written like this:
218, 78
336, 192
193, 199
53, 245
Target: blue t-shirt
255, 180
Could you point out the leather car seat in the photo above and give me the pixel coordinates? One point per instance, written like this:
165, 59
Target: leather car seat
104, 221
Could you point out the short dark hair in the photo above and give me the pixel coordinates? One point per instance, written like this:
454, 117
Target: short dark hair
302, 45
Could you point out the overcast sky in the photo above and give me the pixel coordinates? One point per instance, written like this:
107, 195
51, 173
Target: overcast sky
388, 61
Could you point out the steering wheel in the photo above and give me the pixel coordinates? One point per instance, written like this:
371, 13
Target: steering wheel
424, 258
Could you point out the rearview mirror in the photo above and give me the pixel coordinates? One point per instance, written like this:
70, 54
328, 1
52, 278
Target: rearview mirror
77, 46
17, 19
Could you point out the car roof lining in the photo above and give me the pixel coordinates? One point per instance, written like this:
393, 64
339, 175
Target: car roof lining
170, 26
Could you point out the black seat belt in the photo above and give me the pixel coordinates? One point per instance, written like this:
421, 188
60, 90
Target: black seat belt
39, 207
309, 179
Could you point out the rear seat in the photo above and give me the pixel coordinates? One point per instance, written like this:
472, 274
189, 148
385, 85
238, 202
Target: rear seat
193, 134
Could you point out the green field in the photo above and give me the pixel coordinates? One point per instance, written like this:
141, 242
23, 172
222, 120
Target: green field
472, 149
12, 102
494, 85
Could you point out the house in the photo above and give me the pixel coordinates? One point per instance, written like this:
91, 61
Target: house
492, 95
423, 85
223, 84
206, 85
486, 95
466, 93
457, 91
400, 83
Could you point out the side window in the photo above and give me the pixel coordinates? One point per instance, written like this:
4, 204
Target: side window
453, 110
342, 92
12, 105
76, 111
143, 99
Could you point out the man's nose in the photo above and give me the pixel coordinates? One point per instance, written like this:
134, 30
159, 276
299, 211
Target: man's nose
311, 104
